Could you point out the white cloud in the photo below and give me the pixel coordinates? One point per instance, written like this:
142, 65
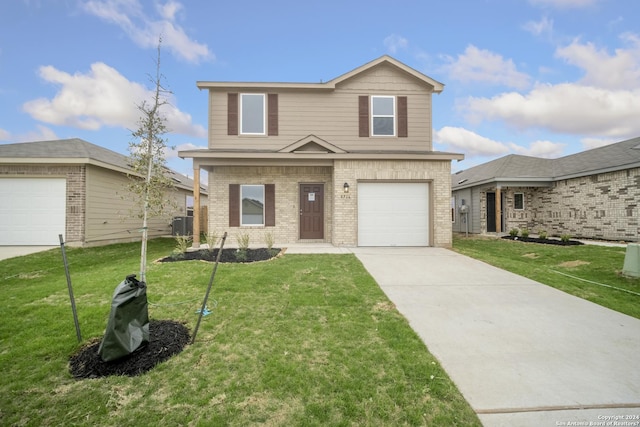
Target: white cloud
145, 31
480, 65
473, 145
589, 143
545, 149
565, 108
618, 71
41, 133
468, 142
172, 153
102, 97
564, 4
604, 103
394, 42
544, 27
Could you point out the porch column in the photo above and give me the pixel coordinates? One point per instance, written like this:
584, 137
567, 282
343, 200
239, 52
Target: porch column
196, 205
498, 210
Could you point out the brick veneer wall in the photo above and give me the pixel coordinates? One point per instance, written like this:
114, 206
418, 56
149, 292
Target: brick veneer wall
437, 173
603, 206
341, 210
286, 180
76, 183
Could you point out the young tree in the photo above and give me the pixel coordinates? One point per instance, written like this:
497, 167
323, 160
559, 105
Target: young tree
150, 184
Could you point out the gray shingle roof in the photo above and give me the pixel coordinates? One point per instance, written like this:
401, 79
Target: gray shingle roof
74, 148
618, 156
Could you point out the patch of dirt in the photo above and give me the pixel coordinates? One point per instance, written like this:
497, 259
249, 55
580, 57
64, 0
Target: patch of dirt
531, 256
573, 264
384, 306
228, 255
543, 241
166, 338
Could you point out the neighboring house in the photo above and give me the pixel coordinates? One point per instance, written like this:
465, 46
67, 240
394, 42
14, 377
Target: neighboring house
592, 194
76, 189
349, 161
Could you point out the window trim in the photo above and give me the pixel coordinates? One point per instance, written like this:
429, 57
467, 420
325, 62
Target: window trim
262, 224
515, 206
264, 114
394, 116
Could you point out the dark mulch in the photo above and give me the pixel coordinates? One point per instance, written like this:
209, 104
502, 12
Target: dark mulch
544, 241
228, 255
166, 338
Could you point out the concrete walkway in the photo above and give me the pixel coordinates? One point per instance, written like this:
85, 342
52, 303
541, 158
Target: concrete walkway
521, 353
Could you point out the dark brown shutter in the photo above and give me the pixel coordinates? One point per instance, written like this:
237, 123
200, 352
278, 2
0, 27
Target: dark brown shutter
234, 205
272, 114
363, 116
403, 128
232, 114
269, 205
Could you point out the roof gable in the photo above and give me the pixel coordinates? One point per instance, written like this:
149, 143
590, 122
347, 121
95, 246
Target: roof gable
387, 60
311, 144
331, 84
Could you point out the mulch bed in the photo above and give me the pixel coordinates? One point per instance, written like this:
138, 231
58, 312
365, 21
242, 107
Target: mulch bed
166, 338
544, 241
228, 255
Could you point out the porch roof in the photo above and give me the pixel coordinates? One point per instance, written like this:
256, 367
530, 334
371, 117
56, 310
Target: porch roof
215, 157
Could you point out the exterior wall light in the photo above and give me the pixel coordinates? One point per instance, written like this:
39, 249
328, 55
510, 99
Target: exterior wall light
345, 187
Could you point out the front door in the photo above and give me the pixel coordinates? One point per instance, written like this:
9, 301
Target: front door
311, 211
491, 212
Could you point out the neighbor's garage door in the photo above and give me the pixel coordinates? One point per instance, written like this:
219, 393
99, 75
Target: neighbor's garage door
32, 210
393, 214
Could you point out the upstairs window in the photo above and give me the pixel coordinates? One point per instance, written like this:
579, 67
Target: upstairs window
383, 115
252, 113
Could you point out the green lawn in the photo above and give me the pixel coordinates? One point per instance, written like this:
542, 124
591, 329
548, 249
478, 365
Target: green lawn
562, 267
301, 340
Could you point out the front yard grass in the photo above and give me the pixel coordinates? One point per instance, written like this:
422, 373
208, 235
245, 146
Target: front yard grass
545, 263
299, 340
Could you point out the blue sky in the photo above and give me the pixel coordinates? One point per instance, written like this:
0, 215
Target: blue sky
536, 77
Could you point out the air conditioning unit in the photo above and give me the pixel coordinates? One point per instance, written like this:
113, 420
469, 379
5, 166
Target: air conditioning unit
182, 226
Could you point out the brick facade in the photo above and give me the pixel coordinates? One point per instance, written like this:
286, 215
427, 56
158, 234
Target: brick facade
340, 208
76, 194
286, 180
602, 206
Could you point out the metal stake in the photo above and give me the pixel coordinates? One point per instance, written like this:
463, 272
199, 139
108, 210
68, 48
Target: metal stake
206, 296
73, 301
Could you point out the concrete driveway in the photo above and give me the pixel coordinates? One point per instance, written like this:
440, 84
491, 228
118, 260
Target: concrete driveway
522, 353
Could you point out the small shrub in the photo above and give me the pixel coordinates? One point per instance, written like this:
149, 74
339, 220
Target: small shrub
565, 237
211, 239
542, 234
524, 233
513, 232
269, 240
182, 244
243, 240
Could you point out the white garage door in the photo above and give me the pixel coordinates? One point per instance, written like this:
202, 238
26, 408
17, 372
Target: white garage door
393, 214
32, 210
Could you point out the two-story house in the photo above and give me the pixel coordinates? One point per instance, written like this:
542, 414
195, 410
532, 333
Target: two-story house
348, 161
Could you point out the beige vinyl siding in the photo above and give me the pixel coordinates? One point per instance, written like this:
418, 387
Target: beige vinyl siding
110, 211
332, 115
